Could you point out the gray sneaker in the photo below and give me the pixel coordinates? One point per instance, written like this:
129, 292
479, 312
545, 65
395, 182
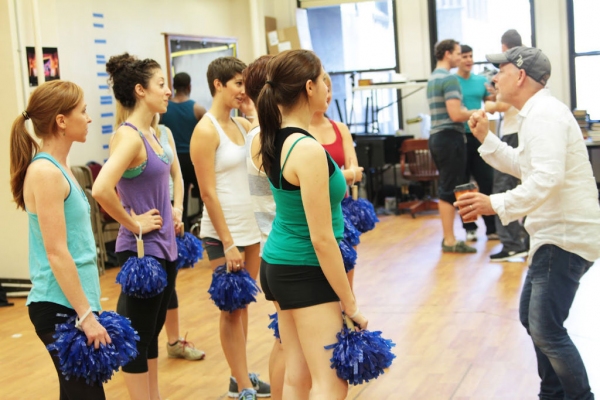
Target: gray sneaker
247, 394
262, 389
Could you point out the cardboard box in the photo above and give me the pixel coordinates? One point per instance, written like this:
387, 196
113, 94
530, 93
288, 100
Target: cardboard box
283, 39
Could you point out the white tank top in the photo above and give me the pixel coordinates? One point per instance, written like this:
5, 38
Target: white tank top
231, 178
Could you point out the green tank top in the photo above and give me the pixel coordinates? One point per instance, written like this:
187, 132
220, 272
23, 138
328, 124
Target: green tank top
81, 245
289, 241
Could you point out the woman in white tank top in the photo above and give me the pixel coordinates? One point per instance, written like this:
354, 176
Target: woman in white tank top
228, 227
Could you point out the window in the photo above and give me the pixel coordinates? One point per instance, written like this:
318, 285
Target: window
481, 23
584, 52
357, 40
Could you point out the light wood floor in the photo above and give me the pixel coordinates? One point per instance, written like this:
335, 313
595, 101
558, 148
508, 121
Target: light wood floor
453, 317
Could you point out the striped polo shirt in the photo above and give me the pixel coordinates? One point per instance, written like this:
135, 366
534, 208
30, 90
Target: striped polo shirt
442, 86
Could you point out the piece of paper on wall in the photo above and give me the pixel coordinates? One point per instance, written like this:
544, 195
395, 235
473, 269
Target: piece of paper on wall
273, 38
283, 46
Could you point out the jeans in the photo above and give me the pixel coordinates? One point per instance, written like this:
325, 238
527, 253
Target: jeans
512, 235
550, 286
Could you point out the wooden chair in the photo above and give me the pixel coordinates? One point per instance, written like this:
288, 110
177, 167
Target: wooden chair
417, 165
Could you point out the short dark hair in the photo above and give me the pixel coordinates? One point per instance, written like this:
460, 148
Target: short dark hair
465, 48
181, 81
223, 69
442, 47
511, 38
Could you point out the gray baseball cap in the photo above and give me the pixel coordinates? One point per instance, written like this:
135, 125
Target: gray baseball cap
531, 60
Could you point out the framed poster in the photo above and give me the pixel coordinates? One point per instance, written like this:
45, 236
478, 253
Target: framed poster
51, 64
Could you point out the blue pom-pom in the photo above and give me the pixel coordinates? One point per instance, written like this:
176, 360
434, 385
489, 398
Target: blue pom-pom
274, 325
189, 250
361, 213
142, 277
231, 291
349, 255
79, 361
360, 356
351, 234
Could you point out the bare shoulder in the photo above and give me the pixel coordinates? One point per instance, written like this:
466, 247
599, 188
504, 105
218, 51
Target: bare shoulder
343, 129
243, 122
42, 175
309, 148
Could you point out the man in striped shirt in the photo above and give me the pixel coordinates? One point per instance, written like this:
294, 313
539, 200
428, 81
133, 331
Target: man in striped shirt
447, 140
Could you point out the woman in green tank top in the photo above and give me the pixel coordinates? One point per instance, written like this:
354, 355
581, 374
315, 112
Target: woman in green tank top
302, 265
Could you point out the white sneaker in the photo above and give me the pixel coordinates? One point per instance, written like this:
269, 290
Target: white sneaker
471, 236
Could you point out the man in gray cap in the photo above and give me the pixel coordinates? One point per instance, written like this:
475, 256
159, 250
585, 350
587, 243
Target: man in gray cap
559, 196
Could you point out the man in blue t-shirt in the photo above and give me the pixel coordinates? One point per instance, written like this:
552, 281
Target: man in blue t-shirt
447, 140
475, 92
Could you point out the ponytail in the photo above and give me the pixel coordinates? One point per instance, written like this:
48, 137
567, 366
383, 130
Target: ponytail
269, 119
45, 103
22, 150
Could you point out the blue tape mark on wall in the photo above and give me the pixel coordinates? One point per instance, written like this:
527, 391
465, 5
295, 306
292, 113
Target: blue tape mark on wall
102, 86
98, 25
106, 115
105, 99
98, 15
102, 73
100, 57
107, 129
100, 41
105, 146
101, 62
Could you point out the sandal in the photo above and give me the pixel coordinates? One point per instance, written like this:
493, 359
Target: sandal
459, 247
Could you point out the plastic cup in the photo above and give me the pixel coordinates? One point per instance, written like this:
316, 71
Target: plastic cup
462, 189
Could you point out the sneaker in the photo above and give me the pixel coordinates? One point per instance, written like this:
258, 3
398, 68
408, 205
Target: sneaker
184, 349
459, 247
493, 236
262, 389
507, 255
248, 394
471, 236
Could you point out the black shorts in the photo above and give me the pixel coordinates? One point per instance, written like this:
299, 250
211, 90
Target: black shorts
214, 248
295, 286
449, 152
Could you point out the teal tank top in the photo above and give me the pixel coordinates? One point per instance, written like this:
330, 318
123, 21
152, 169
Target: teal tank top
81, 245
289, 241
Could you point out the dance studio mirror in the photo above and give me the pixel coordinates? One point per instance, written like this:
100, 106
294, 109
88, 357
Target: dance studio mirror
192, 54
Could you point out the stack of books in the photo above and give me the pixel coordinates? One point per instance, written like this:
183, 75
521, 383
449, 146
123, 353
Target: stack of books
582, 119
594, 131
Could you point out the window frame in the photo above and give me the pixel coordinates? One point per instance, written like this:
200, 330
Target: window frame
433, 31
573, 55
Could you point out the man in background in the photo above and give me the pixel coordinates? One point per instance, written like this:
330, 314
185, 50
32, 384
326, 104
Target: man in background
514, 237
474, 93
181, 117
447, 137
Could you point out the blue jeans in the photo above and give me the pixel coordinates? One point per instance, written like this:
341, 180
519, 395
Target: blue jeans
548, 292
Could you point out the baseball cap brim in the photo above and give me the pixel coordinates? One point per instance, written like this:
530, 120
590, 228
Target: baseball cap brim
497, 59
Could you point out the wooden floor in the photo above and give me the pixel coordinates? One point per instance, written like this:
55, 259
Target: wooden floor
454, 319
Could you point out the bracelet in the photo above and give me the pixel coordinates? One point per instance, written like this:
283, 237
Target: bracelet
178, 209
78, 320
355, 314
229, 248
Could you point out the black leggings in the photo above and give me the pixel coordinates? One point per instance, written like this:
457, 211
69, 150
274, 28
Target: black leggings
147, 315
44, 317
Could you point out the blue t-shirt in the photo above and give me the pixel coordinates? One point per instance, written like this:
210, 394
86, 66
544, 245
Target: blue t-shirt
181, 120
442, 86
474, 92
81, 245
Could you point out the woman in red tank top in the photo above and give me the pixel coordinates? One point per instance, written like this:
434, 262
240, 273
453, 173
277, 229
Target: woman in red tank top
336, 139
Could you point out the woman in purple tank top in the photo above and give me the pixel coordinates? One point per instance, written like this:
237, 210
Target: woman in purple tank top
138, 169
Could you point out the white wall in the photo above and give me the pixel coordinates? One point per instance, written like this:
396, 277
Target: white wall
136, 26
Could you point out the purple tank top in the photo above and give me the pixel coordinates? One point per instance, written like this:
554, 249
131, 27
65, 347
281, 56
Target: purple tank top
149, 190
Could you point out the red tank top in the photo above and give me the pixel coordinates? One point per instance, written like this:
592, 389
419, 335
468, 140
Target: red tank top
336, 149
